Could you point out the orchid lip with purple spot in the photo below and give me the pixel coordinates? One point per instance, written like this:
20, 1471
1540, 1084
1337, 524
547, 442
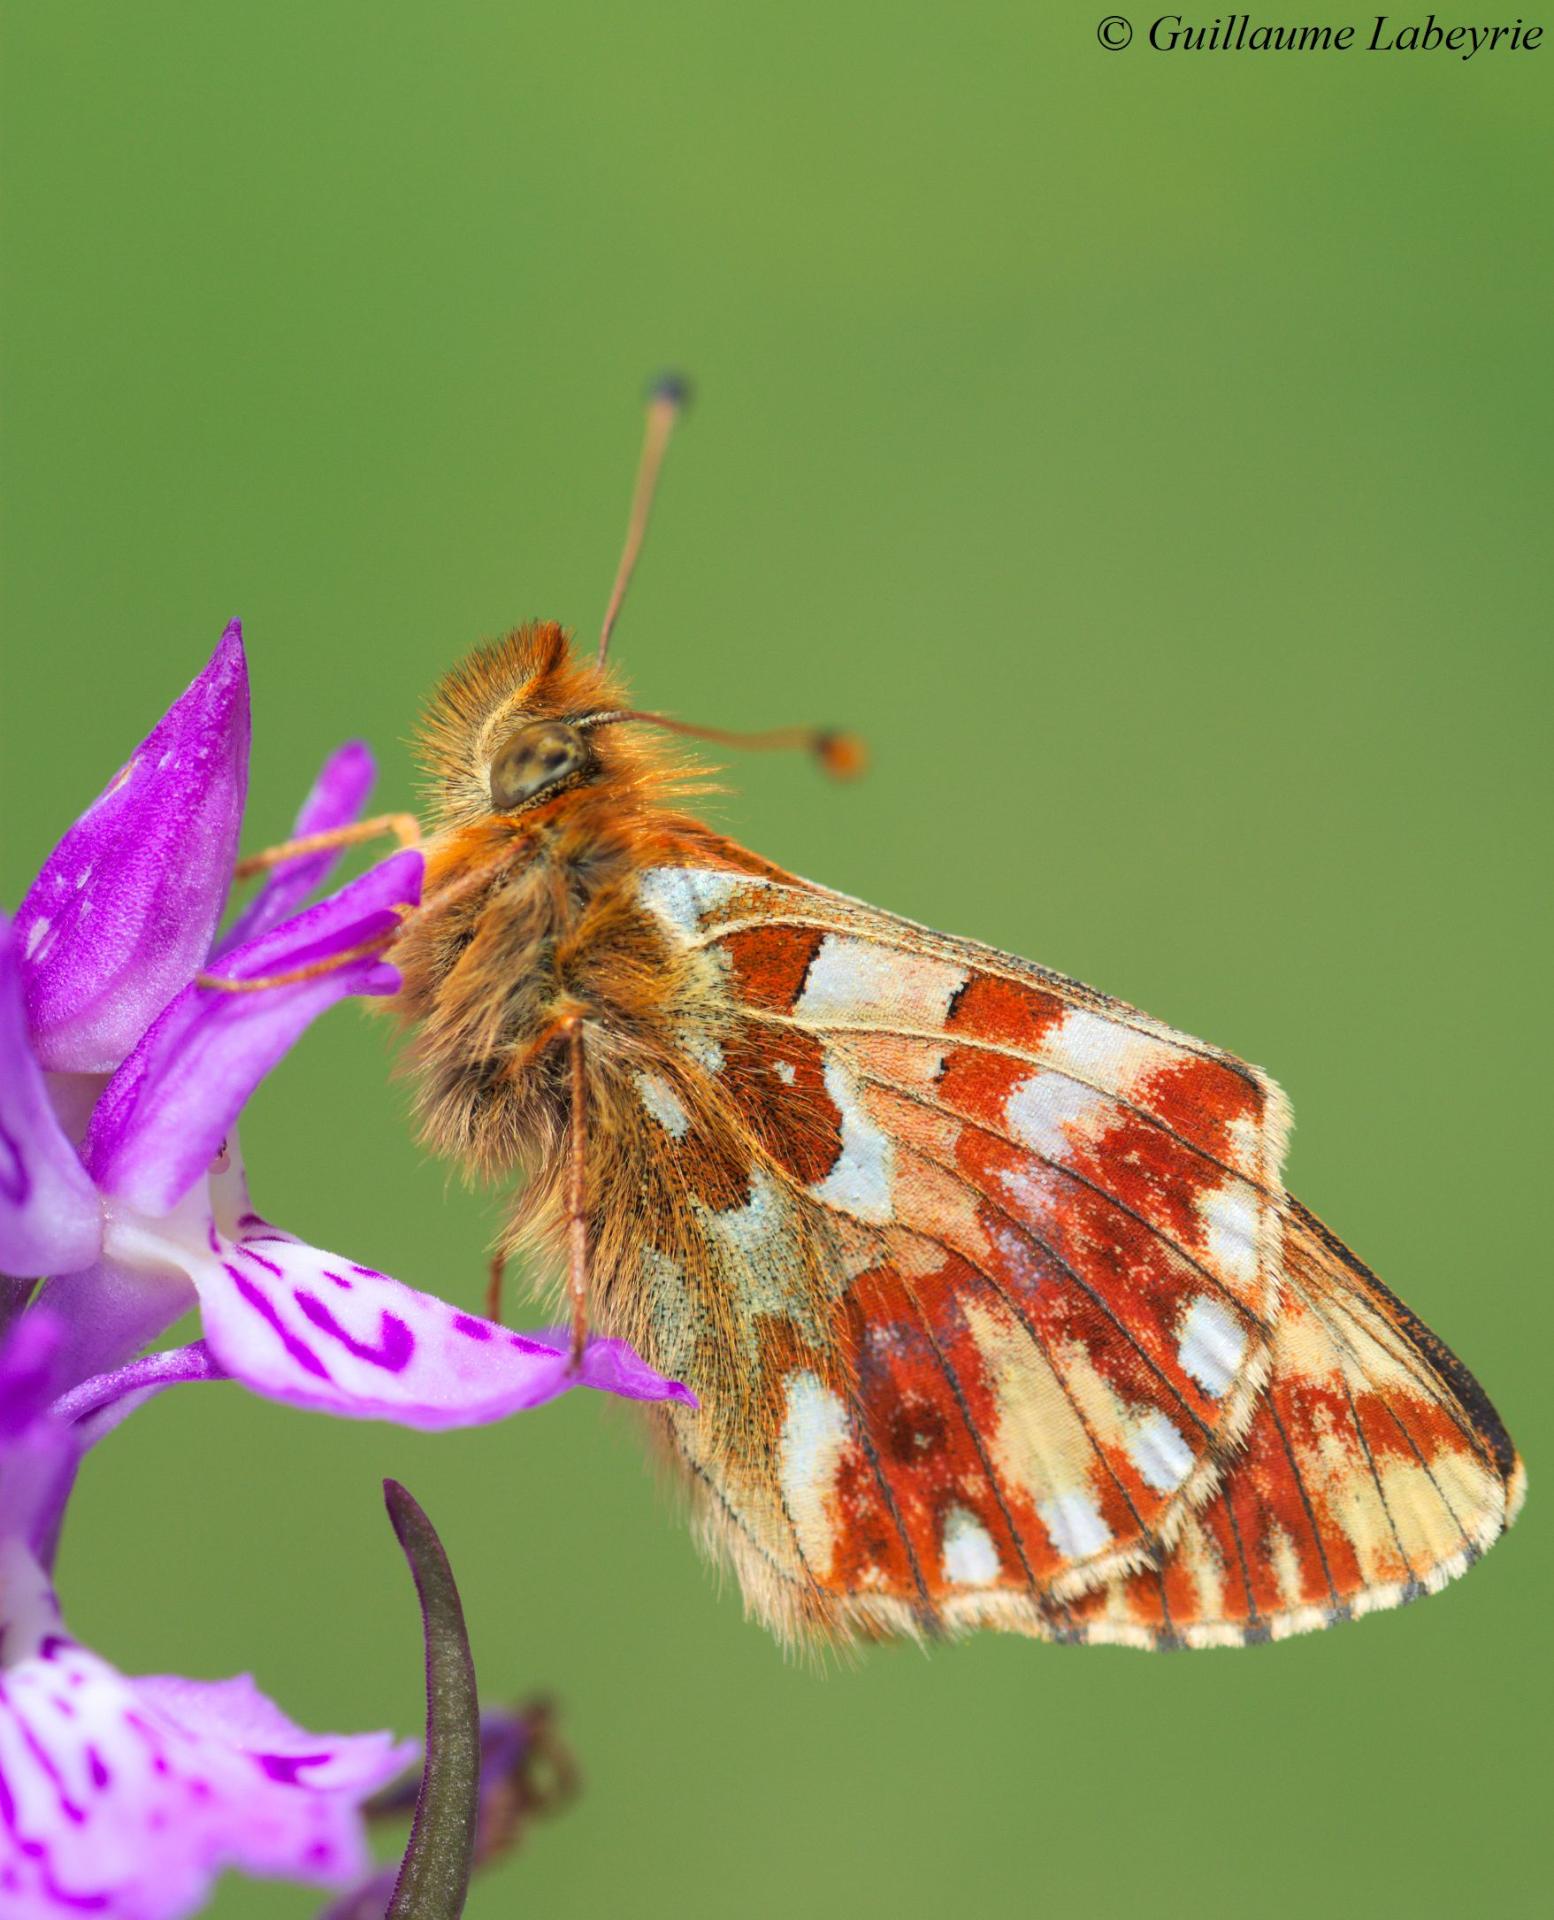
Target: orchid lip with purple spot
284, 1325
179, 1779
126, 1797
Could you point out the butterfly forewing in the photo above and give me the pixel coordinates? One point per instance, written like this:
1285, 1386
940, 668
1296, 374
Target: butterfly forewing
1053, 1235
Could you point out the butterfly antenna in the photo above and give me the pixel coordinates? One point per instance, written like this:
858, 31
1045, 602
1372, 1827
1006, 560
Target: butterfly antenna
843, 755
667, 399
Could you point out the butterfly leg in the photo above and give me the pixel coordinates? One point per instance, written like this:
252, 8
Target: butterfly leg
405, 828
315, 970
569, 1027
408, 829
577, 1191
494, 1275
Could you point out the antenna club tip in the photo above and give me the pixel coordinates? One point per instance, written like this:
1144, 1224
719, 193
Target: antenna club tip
843, 755
670, 389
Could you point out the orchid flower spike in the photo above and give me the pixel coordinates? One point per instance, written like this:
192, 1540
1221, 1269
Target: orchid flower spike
122, 1078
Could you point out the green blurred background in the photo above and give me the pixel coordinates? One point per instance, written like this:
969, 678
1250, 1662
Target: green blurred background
1151, 455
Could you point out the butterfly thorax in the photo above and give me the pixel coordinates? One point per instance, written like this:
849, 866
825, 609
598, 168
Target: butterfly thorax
535, 918
505, 948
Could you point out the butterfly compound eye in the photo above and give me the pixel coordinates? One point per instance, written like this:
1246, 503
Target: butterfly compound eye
534, 759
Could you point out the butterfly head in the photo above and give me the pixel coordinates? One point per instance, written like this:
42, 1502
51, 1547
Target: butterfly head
520, 723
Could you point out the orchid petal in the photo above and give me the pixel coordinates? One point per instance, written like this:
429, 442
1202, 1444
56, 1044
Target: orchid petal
311, 1329
38, 1456
98, 1405
125, 907
28, 1371
111, 1310
50, 1219
162, 1118
38, 1470
614, 1367
337, 798
127, 1797
50, 1416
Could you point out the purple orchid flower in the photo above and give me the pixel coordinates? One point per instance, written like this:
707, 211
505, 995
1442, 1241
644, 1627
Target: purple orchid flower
122, 1187
125, 1797
109, 1039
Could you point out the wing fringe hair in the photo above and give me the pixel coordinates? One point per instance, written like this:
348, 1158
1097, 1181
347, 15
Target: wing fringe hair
1374, 1470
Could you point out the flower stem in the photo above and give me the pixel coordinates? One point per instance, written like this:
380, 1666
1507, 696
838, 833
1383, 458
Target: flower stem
434, 1875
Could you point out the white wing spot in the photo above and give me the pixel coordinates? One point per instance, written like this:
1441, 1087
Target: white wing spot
1016, 1250
1042, 1109
1161, 1455
663, 1103
1032, 1188
861, 1181
784, 1071
970, 1558
1229, 1216
814, 1433
1211, 1345
1104, 1052
680, 896
1074, 1522
852, 979
748, 1229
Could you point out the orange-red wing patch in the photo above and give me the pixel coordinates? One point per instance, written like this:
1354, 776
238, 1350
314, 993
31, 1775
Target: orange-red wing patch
769, 964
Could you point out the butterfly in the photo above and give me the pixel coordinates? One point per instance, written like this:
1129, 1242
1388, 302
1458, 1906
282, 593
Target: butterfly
995, 1305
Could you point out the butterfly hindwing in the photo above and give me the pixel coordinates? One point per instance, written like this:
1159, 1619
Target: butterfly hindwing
1374, 1470
1038, 1225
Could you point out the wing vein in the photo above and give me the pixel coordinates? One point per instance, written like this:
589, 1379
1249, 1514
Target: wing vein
736, 1517
889, 1499
1071, 1173
1305, 1497
947, 1368
1148, 1538
997, 965
1253, 1613
1338, 1340
1039, 1062
1413, 1363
